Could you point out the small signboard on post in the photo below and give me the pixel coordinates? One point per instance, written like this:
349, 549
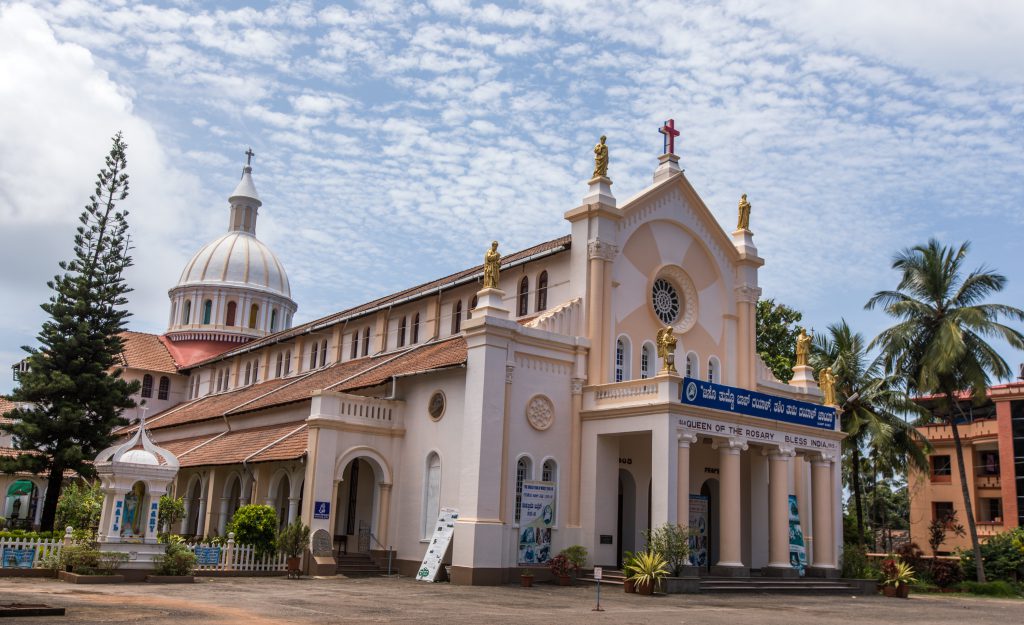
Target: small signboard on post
207, 556
439, 542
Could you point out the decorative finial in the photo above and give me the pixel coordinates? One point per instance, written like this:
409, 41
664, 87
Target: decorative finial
744, 222
667, 349
248, 157
601, 158
668, 129
492, 266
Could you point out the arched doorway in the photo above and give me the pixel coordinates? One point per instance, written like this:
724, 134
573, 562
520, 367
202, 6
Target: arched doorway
195, 496
709, 490
357, 500
21, 503
626, 532
281, 502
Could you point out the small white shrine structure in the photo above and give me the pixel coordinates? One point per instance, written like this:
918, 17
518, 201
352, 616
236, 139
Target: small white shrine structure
133, 475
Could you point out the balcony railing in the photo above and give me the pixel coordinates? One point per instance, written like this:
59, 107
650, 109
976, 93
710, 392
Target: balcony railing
631, 393
358, 410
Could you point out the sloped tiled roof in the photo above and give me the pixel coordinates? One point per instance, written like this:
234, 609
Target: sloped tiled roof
146, 351
285, 441
342, 376
6, 406
555, 245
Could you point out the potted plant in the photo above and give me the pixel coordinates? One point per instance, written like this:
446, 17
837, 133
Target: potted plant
628, 585
526, 578
647, 570
897, 578
560, 567
577, 555
293, 541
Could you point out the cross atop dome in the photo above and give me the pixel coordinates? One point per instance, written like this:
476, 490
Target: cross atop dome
248, 157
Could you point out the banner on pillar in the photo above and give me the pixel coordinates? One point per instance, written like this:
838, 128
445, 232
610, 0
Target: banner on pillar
536, 518
797, 550
438, 547
699, 530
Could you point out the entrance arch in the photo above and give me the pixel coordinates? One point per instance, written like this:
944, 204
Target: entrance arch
362, 499
626, 538
710, 490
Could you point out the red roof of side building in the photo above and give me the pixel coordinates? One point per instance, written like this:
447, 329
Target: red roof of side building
148, 352
6, 406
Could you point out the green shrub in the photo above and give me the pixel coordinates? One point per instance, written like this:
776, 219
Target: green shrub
672, 542
991, 589
577, 556
176, 560
1002, 555
946, 573
855, 562
26, 534
171, 511
88, 560
79, 506
294, 539
255, 525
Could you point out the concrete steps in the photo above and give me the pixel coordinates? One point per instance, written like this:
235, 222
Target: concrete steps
799, 585
357, 565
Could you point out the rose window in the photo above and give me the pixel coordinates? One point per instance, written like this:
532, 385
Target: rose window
665, 300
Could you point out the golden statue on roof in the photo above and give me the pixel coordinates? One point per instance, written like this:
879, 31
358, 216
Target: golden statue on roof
492, 266
803, 348
601, 158
744, 222
667, 349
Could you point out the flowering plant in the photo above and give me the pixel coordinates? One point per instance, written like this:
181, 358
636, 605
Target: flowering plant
560, 565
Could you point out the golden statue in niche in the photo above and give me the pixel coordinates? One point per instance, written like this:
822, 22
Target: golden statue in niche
803, 348
744, 222
827, 384
667, 349
601, 158
492, 266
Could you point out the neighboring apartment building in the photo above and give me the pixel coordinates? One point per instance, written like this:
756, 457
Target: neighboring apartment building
993, 441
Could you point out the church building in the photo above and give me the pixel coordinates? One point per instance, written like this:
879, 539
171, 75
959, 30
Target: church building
614, 368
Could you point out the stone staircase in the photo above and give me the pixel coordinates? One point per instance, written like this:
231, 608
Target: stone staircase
772, 585
358, 565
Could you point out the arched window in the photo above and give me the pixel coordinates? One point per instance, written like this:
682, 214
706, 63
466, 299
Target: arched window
472, 306
524, 296
288, 362
457, 317
549, 471
273, 320
207, 311
524, 472
415, 329
280, 364
366, 342
691, 365
248, 372
147, 385
401, 332
255, 371
646, 361
714, 375
312, 355
254, 315
431, 495
174, 313
355, 345
542, 291
323, 353
622, 356
164, 390
186, 312
232, 311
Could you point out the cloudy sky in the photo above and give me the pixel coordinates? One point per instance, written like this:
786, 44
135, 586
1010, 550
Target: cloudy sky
393, 140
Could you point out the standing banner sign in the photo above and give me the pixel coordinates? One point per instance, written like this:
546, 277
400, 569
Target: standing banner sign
797, 551
536, 518
18, 557
698, 530
438, 546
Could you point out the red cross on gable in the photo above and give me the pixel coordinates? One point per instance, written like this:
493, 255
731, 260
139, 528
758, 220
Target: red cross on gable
670, 132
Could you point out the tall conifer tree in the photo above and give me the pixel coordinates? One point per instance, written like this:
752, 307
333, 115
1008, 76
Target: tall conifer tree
73, 393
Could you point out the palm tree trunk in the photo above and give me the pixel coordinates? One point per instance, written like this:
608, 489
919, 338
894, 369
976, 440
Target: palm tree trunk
979, 566
856, 496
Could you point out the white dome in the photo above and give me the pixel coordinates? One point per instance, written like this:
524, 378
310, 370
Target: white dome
140, 456
237, 259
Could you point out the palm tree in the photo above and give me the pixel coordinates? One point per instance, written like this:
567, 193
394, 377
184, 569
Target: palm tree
938, 345
871, 403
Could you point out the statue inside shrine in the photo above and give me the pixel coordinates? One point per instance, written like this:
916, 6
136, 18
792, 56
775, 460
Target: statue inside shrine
131, 525
803, 348
601, 159
492, 266
744, 222
667, 349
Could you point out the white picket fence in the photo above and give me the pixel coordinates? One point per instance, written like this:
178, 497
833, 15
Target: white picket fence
13, 550
234, 557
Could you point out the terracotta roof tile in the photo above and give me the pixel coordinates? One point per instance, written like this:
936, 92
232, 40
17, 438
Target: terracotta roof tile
6, 406
448, 353
212, 406
554, 245
236, 446
9, 452
146, 351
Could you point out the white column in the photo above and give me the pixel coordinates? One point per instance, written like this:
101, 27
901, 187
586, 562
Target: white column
822, 503
779, 469
683, 478
730, 542
222, 522
664, 453
293, 508
40, 500
201, 521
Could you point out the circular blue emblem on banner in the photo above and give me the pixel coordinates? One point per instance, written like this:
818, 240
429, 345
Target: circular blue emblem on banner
691, 391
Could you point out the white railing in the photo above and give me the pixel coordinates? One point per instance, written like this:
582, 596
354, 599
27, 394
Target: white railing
358, 410
28, 553
234, 557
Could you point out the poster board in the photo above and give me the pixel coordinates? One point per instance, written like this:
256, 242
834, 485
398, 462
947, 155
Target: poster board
18, 557
438, 547
699, 530
207, 556
797, 550
536, 519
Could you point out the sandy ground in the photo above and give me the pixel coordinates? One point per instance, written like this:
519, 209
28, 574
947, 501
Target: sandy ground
265, 601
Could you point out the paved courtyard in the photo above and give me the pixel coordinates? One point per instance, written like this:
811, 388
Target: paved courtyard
266, 601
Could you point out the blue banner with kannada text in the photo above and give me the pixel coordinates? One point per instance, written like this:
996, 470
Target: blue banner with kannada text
753, 404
